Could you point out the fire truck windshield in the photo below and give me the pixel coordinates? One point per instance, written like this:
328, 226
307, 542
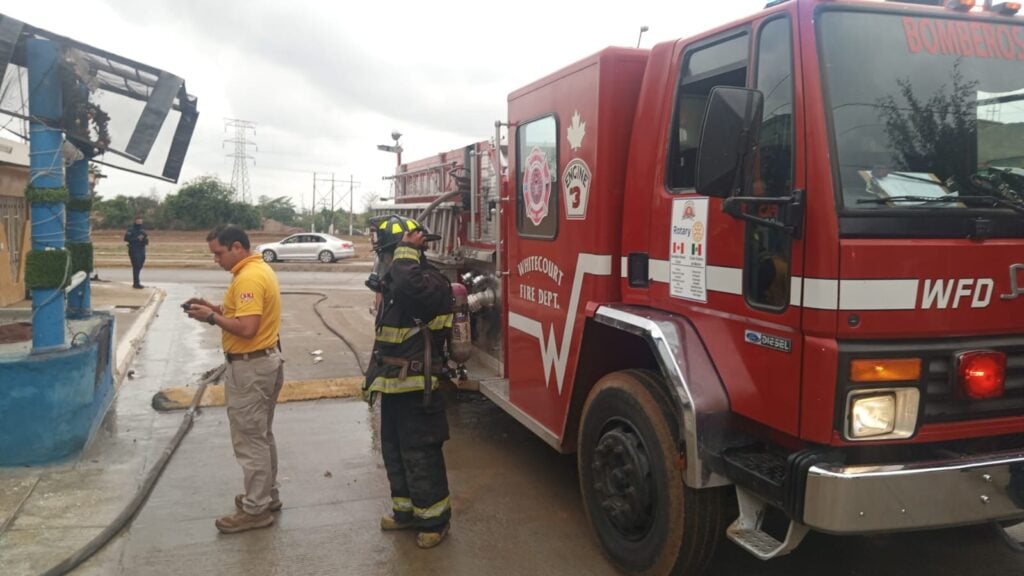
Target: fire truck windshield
927, 112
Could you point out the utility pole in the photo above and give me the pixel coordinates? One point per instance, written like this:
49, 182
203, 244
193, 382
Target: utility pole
312, 208
240, 170
331, 232
351, 202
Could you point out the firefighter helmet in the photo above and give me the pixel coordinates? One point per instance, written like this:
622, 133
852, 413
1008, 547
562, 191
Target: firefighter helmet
389, 232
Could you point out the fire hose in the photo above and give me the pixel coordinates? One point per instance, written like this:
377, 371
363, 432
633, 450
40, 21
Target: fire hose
132, 508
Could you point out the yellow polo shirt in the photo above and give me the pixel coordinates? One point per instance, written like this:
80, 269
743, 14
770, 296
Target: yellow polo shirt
253, 292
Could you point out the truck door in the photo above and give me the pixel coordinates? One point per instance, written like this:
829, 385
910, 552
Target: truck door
738, 281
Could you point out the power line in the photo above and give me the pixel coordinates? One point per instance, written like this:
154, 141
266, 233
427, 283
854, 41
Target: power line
240, 170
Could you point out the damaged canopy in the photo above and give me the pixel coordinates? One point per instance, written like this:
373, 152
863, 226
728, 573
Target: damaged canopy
111, 104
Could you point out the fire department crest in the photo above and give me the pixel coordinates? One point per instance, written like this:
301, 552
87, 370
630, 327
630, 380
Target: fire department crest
536, 186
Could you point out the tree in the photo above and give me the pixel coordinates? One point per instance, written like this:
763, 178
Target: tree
207, 202
280, 209
937, 135
119, 212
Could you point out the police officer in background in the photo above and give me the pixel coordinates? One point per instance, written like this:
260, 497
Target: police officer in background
137, 240
413, 326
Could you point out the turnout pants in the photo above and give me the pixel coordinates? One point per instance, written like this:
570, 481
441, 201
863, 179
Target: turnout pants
411, 439
251, 393
138, 258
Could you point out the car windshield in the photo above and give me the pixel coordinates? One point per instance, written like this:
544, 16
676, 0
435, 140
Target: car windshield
927, 112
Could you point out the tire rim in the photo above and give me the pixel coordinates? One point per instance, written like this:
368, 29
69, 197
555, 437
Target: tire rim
268, 256
622, 481
325, 256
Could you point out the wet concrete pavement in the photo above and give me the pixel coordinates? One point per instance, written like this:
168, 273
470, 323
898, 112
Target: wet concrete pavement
516, 502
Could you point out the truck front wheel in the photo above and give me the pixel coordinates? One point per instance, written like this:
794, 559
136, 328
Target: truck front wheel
631, 479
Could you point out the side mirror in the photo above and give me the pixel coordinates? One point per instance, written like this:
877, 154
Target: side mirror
728, 141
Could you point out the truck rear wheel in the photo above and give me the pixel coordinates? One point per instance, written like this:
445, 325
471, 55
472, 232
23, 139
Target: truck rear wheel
631, 479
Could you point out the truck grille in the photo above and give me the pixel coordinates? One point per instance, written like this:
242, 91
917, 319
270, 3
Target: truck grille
941, 398
943, 401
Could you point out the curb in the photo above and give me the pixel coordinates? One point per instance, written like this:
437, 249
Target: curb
127, 347
180, 397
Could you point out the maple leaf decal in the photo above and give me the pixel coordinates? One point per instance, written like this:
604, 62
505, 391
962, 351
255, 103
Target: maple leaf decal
576, 131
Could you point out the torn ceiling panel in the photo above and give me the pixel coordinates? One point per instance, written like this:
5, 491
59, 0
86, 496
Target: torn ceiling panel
142, 116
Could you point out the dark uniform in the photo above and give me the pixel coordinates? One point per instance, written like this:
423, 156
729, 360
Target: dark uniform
137, 240
416, 301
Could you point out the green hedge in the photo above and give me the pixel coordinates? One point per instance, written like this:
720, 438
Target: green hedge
47, 269
79, 204
81, 256
46, 195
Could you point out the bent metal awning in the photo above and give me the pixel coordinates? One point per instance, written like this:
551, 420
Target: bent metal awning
135, 100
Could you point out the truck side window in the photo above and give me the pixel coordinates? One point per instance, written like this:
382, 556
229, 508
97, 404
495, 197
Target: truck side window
537, 178
723, 63
768, 249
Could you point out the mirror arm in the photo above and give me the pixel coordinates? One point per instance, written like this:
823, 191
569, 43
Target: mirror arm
793, 213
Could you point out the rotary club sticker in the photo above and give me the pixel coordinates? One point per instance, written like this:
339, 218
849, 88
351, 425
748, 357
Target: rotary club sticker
536, 186
688, 249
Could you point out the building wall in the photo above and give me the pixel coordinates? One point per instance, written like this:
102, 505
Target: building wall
14, 221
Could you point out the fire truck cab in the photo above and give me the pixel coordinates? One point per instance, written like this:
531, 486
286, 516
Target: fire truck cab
773, 270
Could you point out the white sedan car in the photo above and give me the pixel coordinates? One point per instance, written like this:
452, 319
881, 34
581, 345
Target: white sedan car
307, 246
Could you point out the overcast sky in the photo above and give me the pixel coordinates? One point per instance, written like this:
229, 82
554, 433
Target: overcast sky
326, 83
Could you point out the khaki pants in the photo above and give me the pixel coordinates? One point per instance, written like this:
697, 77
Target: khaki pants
251, 394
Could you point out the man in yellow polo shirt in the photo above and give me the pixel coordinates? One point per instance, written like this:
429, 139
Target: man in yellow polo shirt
250, 322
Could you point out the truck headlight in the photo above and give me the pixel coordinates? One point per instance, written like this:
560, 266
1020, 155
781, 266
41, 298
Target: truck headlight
882, 414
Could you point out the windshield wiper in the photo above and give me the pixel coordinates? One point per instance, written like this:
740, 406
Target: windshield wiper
946, 200
1003, 202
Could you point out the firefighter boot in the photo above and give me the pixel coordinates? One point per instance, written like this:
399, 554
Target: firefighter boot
430, 539
275, 505
389, 523
242, 521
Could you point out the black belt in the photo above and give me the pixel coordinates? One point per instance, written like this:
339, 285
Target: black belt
249, 355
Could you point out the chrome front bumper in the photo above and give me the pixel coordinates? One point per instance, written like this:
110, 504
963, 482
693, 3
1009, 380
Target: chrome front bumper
865, 499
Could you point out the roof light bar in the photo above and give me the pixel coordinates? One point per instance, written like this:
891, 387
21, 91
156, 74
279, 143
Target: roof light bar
960, 5
1004, 8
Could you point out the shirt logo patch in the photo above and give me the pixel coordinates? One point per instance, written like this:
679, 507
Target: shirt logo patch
246, 297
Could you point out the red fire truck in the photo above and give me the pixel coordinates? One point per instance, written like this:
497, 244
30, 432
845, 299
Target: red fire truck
761, 281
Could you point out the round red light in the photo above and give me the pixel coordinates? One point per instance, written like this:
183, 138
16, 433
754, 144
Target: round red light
983, 374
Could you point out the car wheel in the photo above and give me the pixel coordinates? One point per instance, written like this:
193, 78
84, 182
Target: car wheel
326, 256
269, 256
646, 518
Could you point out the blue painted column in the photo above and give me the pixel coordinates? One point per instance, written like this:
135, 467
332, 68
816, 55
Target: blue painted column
46, 171
79, 301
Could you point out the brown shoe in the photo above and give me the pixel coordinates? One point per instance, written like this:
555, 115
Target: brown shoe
430, 539
388, 523
242, 521
275, 505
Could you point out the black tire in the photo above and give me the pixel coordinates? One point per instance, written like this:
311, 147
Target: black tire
631, 480
325, 256
269, 256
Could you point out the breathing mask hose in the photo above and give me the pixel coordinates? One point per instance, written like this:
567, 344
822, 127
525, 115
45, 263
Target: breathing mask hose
428, 368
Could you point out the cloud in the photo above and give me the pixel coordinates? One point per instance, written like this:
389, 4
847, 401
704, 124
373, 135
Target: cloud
325, 83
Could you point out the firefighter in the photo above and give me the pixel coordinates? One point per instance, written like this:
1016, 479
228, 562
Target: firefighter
413, 325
